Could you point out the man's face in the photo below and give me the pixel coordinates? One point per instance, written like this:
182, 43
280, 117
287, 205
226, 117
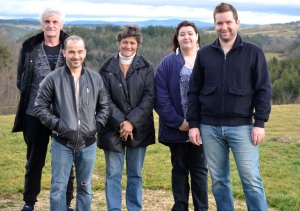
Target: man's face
51, 26
225, 26
74, 53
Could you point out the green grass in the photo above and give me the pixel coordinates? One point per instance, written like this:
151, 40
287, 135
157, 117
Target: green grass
279, 159
17, 31
270, 55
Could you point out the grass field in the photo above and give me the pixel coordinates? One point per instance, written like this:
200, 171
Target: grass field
279, 158
270, 55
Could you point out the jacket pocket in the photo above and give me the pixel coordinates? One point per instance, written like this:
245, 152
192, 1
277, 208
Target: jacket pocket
208, 99
240, 102
172, 135
109, 139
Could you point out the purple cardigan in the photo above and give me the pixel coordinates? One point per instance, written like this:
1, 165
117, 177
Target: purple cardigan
168, 100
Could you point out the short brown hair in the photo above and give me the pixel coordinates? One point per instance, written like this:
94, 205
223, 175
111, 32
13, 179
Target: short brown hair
224, 7
130, 30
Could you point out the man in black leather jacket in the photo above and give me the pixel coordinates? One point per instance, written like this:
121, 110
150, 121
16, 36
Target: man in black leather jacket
80, 108
39, 55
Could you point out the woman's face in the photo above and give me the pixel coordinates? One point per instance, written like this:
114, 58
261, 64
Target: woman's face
187, 37
128, 46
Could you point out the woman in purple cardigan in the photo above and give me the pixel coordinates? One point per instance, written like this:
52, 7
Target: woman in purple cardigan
172, 83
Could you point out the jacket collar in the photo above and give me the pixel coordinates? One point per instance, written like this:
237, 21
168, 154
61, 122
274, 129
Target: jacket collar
138, 62
179, 58
67, 69
237, 43
33, 41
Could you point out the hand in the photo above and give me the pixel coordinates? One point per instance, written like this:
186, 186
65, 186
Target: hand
126, 129
257, 135
98, 126
194, 136
184, 126
56, 126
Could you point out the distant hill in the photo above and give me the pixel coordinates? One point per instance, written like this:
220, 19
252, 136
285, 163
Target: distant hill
167, 23
93, 24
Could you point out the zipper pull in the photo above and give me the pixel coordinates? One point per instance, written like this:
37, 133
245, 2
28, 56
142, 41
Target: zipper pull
87, 95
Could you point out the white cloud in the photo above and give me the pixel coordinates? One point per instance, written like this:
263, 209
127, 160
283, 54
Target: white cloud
250, 12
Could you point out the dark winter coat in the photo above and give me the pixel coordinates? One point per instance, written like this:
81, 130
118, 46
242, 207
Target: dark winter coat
231, 89
168, 100
132, 99
25, 68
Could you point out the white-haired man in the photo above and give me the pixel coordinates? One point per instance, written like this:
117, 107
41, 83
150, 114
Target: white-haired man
39, 55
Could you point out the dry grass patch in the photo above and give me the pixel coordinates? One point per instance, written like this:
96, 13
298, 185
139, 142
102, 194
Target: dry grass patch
158, 200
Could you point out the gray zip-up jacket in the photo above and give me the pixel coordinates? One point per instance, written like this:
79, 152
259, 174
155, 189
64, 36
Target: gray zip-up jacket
71, 126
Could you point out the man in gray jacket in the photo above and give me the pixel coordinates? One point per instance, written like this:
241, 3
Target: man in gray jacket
80, 108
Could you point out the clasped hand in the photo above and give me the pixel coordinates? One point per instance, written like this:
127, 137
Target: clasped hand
126, 129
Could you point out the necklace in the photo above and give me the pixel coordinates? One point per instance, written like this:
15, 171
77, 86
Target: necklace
189, 64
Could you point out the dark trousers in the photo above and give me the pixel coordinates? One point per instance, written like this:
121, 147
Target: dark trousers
186, 159
36, 137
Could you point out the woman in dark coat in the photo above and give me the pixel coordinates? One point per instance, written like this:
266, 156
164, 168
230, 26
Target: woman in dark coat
129, 79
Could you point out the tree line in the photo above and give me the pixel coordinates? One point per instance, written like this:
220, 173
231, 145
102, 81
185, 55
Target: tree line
101, 43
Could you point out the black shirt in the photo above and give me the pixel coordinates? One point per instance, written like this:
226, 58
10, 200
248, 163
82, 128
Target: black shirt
52, 54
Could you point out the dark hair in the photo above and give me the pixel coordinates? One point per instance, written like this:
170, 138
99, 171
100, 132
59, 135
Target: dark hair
73, 38
224, 7
182, 24
130, 31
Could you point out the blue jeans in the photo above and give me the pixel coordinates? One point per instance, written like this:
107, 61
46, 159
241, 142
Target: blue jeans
62, 159
216, 142
113, 184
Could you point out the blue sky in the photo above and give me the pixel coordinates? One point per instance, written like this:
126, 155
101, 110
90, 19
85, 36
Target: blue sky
249, 11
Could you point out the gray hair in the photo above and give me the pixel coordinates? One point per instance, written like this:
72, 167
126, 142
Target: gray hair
52, 11
130, 31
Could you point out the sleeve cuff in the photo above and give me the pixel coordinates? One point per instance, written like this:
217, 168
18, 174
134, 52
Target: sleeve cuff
259, 123
194, 124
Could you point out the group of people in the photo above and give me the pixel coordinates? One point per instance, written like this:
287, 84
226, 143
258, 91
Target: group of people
206, 99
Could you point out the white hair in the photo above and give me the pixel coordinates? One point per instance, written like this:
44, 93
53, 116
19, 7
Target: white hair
52, 11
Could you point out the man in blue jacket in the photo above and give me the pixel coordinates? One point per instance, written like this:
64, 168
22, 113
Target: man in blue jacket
230, 85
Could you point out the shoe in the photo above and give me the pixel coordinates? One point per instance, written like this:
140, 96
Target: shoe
69, 208
27, 208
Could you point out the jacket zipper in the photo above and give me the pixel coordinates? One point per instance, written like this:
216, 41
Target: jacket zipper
78, 116
223, 84
87, 95
125, 90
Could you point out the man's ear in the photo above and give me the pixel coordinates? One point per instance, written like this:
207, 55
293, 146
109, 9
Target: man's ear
63, 52
238, 23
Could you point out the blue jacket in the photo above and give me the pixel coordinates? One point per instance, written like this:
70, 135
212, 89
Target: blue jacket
229, 89
168, 99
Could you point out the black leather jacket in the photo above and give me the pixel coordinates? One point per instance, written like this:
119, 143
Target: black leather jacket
132, 99
72, 126
25, 72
